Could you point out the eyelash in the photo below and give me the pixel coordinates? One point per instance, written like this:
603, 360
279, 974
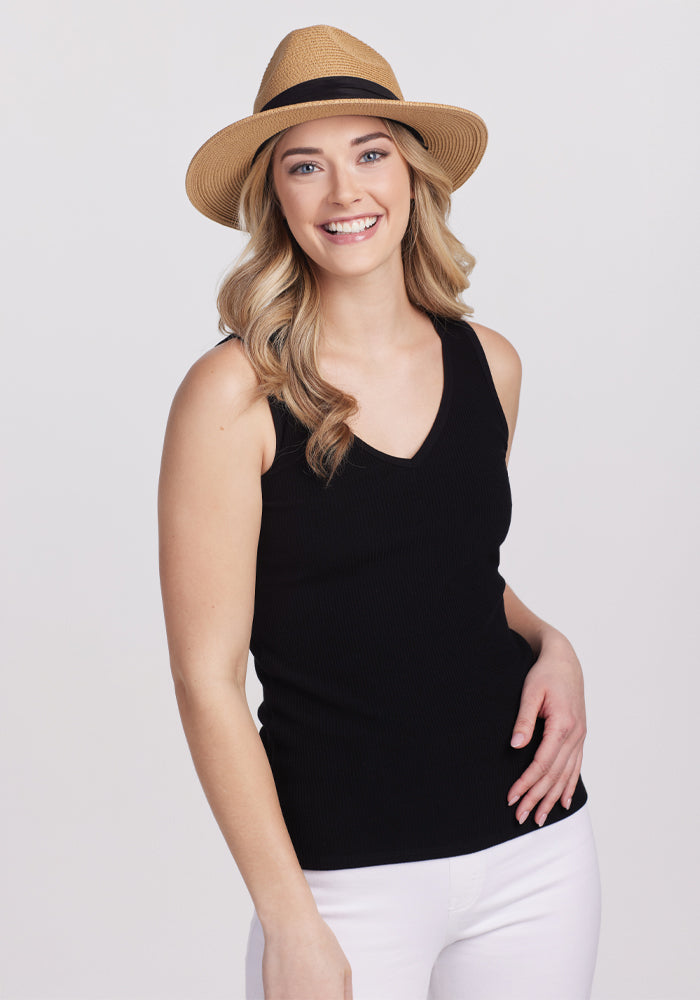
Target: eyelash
378, 153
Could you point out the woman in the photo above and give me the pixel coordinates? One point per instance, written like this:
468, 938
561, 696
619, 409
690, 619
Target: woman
410, 820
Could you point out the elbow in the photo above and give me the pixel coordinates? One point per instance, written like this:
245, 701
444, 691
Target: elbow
196, 687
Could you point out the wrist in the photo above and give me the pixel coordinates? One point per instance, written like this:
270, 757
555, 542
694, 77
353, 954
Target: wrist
296, 925
540, 637
552, 640
548, 636
289, 913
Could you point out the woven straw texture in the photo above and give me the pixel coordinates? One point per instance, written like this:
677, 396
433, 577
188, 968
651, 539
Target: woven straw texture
456, 137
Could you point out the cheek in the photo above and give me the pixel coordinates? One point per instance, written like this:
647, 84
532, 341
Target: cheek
401, 195
299, 218
297, 222
293, 205
397, 188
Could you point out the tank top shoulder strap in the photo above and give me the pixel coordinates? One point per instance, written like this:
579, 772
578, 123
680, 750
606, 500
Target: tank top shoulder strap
231, 336
281, 417
466, 334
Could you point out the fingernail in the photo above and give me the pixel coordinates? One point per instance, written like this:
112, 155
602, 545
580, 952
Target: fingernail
540, 821
523, 818
511, 802
567, 804
517, 740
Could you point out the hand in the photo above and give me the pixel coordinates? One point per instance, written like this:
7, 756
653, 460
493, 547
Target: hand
303, 961
553, 690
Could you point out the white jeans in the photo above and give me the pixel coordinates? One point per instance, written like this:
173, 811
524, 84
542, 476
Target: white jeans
517, 921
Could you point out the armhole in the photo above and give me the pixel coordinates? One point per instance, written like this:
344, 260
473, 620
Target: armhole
480, 353
277, 419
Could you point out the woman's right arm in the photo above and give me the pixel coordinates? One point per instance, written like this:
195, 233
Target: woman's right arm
209, 511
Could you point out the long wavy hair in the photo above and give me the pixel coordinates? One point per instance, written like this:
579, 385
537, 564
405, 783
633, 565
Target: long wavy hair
270, 298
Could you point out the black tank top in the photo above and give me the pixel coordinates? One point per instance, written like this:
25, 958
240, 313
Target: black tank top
391, 680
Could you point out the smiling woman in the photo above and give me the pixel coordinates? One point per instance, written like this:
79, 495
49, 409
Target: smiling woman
284, 259
410, 818
364, 176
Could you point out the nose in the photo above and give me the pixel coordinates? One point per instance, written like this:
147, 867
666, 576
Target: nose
344, 187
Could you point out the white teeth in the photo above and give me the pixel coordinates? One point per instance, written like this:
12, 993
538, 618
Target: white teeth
356, 226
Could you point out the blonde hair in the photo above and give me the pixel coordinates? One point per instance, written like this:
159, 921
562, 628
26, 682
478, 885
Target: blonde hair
270, 298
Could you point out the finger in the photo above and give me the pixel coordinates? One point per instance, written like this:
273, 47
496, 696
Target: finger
568, 792
549, 798
553, 781
539, 789
528, 712
553, 740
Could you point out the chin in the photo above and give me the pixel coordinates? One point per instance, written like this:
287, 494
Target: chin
353, 266
351, 271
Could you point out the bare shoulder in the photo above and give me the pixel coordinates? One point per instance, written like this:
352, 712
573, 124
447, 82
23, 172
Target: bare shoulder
504, 361
215, 405
506, 371
221, 381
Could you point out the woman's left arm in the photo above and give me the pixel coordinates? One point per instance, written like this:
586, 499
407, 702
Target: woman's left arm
553, 690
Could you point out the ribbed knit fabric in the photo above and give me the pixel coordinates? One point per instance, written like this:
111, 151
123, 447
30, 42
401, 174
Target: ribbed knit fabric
391, 679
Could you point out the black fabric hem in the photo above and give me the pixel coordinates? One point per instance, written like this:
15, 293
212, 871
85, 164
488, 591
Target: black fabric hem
467, 845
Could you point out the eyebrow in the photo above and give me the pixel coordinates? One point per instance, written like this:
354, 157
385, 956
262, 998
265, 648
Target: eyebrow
312, 150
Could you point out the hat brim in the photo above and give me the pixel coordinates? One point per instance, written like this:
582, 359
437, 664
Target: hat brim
455, 137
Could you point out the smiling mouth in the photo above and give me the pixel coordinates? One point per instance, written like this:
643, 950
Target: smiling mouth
356, 226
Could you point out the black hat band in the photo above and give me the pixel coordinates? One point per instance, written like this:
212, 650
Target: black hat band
334, 88
330, 88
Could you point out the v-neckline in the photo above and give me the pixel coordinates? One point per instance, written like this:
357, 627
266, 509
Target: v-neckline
440, 416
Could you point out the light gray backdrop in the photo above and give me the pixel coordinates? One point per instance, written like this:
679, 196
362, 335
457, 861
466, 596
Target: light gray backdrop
583, 218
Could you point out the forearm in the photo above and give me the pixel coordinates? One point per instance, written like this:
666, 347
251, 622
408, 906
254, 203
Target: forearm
526, 622
235, 774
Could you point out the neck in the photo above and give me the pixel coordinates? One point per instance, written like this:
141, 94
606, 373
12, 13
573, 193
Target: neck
367, 316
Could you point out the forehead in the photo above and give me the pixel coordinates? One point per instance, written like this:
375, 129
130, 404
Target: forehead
339, 128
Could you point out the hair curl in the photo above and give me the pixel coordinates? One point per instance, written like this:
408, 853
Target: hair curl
270, 299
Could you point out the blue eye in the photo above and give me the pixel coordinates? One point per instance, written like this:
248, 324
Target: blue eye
376, 154
300, 168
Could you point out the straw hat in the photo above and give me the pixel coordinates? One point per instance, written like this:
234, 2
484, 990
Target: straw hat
319, 72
